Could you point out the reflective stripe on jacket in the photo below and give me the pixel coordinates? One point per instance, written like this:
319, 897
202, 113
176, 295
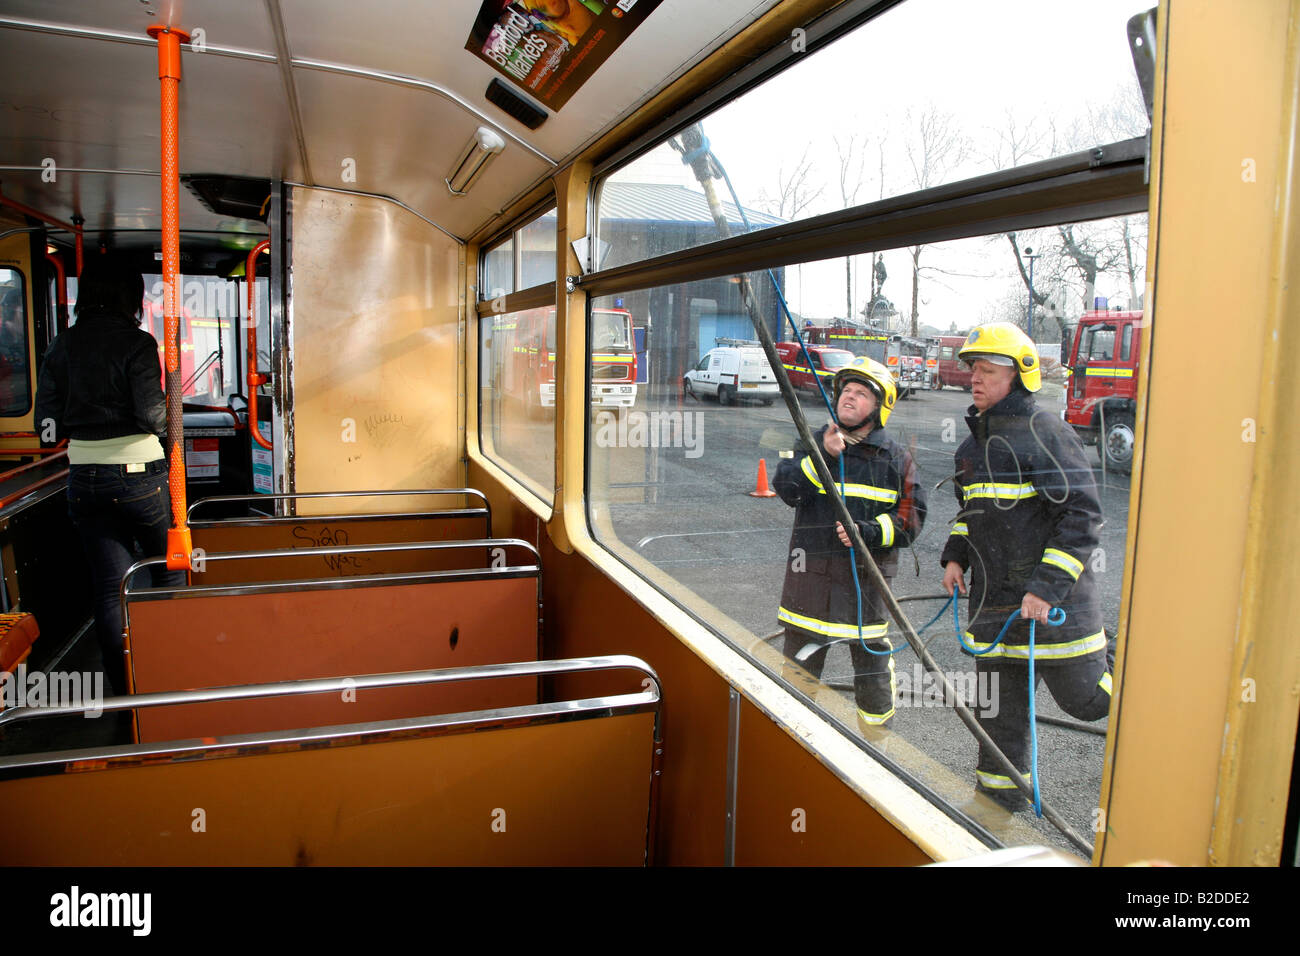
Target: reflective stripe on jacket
1028, 521
886, 501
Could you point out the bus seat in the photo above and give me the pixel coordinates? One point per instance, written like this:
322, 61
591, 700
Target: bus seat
215, 636
18, 632
290, 534
561, 783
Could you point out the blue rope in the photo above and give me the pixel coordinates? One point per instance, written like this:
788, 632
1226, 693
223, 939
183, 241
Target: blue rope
807, 360
697, 152
1055, 617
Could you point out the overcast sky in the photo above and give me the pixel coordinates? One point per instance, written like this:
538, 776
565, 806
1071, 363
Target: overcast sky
1049, 66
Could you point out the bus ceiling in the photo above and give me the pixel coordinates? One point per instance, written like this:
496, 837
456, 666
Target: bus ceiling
386, 106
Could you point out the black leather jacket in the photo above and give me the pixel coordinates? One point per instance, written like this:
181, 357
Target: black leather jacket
101, 379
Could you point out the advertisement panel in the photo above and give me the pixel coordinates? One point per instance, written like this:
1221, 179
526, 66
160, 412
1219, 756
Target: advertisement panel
549, 48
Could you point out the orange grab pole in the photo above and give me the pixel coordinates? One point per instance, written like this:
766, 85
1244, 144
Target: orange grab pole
255, 378
179, 543
61, 276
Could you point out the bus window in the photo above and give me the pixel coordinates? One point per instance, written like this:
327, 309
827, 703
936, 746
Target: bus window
499, 269
517, 354
211, 352
793, 154
666, 487
522, 260
517, 395
536, 244
15, 373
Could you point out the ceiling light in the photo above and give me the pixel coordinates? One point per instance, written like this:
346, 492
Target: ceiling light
473, 159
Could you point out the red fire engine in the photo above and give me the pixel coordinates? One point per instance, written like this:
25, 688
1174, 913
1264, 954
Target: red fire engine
858, 339
913, 363
1101, 388
825, 359
526, 341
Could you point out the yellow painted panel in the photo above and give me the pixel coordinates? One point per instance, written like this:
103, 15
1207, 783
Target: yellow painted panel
376, 324
1215, 181
571, 794
791, 811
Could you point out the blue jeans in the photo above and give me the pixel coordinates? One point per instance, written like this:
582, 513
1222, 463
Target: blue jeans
121, 517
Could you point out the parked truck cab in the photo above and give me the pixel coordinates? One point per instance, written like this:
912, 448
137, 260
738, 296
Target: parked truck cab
1101, 384
826, 360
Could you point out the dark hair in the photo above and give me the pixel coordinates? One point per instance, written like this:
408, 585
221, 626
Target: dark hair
108, 283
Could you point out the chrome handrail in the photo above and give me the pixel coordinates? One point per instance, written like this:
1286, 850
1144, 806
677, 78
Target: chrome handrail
321, 685
395, 577
288, 496
651, 695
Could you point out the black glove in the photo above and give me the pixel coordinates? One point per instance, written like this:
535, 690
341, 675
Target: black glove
871, 532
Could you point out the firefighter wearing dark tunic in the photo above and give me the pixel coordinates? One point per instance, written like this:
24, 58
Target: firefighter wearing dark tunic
1027, 525
819, 602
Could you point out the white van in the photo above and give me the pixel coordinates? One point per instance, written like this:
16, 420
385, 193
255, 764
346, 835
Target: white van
732, 374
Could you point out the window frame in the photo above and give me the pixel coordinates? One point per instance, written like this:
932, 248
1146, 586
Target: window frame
28, 332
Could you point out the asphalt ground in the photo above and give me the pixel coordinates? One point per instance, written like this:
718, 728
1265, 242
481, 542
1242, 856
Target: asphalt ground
687, 511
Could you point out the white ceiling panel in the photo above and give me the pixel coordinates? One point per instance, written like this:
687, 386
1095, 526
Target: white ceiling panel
427, 40
94, 103
97, 107
403, 143
237, 23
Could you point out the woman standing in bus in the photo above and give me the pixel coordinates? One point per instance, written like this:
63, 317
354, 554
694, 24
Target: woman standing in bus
100, 387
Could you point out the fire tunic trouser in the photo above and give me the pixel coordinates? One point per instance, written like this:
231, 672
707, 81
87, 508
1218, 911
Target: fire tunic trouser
873, 674
1081, 686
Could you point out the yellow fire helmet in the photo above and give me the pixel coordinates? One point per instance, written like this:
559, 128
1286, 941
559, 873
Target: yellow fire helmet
1004, 344
876, 377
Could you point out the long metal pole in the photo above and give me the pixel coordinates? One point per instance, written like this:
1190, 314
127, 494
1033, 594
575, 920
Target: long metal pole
179, 544
693, 140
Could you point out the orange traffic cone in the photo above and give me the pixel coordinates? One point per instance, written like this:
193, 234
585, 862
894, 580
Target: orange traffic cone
762, 491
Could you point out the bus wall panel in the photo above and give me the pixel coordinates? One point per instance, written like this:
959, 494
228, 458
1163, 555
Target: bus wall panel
587, 614
375, 325
791, 811
307, 533
220, 640
564, 794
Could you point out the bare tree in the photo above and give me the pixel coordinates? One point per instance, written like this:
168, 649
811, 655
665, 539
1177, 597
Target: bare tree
1133, 238
852, 157
934, 147
794, 190
1016, 142
1084, 250
1091, 253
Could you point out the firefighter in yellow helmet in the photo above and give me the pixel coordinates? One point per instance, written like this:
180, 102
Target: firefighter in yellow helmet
1027, 525
819, 601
